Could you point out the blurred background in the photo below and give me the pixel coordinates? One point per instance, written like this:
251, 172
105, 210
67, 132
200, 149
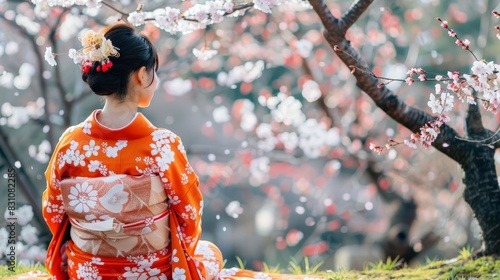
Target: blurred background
273, 124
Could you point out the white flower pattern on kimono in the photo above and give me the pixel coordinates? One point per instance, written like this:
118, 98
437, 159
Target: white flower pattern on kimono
164, 160
54, 207
91, 149
72, 155
86, 127
261, 275
143, 270
174, 200
228, 272
93, 154
83, 197
204, 249
184, 179
112, 152
94, 165
88, 272
179, 274
114, 199
189, 169
57, 219
175, 259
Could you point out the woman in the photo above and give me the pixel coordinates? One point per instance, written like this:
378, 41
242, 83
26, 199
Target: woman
122, 200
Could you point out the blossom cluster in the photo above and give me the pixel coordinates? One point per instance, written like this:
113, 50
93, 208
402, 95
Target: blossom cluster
67, 3
205, 53
173, 20
28, 253
483, 80
17, 116
247, 72
195, 18
291, 129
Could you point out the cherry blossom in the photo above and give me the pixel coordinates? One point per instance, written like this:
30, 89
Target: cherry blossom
442, 104
49, 56
167, 19
304, 47
289, 112
29, 234
247, 72
266, 5
178, 86
311, 91
205, 53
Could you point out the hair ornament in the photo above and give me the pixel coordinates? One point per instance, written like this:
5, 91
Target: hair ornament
95, 48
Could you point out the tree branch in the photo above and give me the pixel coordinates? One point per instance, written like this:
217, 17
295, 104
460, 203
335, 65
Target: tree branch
60, 87
41, 79
326, 16
321, 100
376, 175
124, 14
408, 116
24, 183
474, 121
354, 12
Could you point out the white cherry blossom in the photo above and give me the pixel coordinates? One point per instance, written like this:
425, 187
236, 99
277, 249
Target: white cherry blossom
266, 5
49, 56
29, 234
205, 53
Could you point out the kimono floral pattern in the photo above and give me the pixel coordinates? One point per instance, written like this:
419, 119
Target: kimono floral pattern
128, 214
130, 200
94, 177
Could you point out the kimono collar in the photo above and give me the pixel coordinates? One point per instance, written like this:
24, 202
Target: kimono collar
137, 128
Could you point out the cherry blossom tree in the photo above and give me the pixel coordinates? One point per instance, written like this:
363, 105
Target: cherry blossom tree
272, 85
474, 152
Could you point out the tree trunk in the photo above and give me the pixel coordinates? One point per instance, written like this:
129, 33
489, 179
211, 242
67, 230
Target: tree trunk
482, 191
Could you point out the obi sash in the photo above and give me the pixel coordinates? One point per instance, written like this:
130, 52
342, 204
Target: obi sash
119, 217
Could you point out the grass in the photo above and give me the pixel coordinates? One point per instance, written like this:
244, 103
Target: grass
387, 265
462, 267
19, 269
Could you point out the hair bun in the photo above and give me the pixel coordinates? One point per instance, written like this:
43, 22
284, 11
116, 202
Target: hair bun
135, 51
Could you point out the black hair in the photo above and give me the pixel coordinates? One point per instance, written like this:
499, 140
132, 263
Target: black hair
136, 51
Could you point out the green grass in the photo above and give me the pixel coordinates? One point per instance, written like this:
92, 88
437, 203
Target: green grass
462, 267
387, 265
457, 268
19, 269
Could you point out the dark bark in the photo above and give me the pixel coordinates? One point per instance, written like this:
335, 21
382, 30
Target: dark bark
396, 241
482, 191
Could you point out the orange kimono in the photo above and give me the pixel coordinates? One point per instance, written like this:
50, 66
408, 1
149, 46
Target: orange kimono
124, 204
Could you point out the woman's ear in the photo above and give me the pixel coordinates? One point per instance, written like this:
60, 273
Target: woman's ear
142, 76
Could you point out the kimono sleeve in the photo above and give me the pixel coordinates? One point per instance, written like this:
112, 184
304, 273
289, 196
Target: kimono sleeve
181, 184
52, 203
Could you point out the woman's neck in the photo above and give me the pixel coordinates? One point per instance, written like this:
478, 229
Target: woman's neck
117, 114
